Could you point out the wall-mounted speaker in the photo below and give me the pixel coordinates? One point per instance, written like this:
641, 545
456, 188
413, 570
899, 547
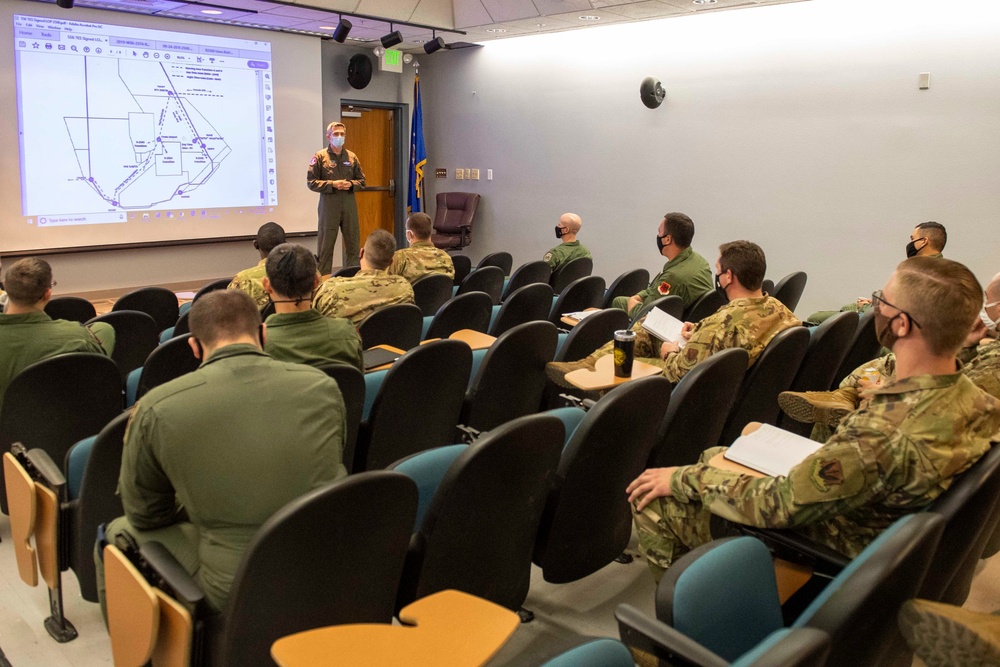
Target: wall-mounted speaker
359, 71
651, 92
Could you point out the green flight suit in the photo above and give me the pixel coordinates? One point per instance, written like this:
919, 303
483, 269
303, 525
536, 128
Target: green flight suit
564, 253
360, 295
31, 337
306, 337
251, 281
337, 208
210, 456
891, 459
420, 259
687, 275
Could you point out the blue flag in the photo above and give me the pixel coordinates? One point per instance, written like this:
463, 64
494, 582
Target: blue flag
418, 153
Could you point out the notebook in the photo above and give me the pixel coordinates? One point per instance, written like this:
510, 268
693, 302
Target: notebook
376, 357
771, 450
664, 326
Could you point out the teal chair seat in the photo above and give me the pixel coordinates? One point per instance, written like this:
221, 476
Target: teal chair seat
132, 386
76, 463
571, 418
427, 469
373, 382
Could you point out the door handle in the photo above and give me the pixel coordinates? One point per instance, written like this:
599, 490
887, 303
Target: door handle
392, 187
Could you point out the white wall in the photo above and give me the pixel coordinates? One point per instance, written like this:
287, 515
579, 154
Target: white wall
798, 126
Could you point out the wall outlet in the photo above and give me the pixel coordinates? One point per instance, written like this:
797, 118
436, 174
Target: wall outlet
489, 174
924, 82
475, 174
459, 175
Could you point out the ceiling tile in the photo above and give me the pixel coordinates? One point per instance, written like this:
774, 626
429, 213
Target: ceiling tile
390, 9
549, 7
650, 9
606, 16
548, 23
510, 10
145, 8
434, 13
197, 10
469, 12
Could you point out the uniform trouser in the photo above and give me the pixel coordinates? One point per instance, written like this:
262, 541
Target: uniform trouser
646, 350
105, 335
338, 210
621, 303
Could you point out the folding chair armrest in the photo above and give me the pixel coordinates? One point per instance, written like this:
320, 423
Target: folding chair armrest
787, 545
46, 467
173, 578
650, 635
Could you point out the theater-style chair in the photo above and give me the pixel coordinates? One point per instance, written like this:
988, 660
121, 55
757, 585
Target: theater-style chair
670, 304
627, 284
398, 325
54, 403
157, 302
511, 378
722, 598
453, 219
767, 287
345, 272
417, 405
352, 388
581, 267
699, 407
213, 286
773, 372
179, 329
526, 274
168, 361
705, 305
525, 304
487, 279
465, 311
71, 308
827, 348
136, 335
430, 292
587, 521
502, 260
590, 334
479, 511
463, 266
333, 556
864, 347
37, 492
594, 653
789, 289
579, 295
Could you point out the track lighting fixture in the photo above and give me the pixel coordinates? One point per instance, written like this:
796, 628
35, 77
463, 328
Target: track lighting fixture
343, 29
435, 44
65, 4
392, 39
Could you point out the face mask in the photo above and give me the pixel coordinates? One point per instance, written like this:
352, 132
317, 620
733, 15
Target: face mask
883, 329
559, 233
337, 142
718, 286
991, 324
912, 250
659, 244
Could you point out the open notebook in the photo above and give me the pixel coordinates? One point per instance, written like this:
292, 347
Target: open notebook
664, 326
771, 450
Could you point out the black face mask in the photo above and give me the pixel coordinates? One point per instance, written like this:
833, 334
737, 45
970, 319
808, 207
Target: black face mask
911, 248
659, 244
559, 233
718, 286
883, 329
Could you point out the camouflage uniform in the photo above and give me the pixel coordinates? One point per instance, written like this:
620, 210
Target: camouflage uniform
419, 260
337, 208
686, 275
360, 295
564, 253
250, 281
891, 459
984, 367
746, 323
306, 337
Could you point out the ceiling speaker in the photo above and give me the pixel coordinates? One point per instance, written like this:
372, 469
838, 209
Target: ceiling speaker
359, 71
651, 92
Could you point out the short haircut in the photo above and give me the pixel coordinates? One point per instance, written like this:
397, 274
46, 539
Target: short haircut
747, 262
937, 235
993, 289
680, 228
269, 236
223, 314
336, 123
291, 269
943, 296
379, 248
27, 280
573, 222
420, 224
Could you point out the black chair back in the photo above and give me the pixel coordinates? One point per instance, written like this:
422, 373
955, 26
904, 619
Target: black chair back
789, 289
479, 530
487, 279
671, 304
587, 292
346, 272
401, 422
136, 335
587, 521
215, 285
705, 305
72, 308
182, 327
352, 389
864, 347
527, 274
398, 325
503, 260
772, 374
168, 361
431, 291
267, 310
627, 284
56, 402
98, 502
463, 266
526, 304
767, 287
157, 302
828, 345
699, 407
511, 378
591, 333
465, 311
581, 267
331, 557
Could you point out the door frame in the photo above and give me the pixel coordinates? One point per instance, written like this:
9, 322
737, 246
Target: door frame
400, 123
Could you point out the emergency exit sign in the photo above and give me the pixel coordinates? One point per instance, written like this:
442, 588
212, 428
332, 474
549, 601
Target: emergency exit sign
391, 61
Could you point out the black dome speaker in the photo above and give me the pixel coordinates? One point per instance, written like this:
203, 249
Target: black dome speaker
651, 92
359, 71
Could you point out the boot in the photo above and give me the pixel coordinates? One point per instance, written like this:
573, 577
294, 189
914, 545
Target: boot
556, 371
943, 634
819, 407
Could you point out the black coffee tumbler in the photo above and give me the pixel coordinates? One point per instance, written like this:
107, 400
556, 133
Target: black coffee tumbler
624, 352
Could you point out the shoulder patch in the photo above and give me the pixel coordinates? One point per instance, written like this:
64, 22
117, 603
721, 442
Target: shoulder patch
313, 161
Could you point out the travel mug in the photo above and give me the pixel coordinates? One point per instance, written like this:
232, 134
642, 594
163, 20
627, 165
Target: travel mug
624, 352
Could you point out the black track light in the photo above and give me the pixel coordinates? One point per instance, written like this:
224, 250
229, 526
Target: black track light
435, 44
392, 39
65, 4
343, 29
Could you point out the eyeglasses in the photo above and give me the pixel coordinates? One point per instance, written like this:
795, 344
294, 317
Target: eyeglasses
877, 299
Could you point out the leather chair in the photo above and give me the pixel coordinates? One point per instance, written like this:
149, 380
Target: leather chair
671, 304
346, 272
466, 311
352, 388
587, 292
167, 362
487, 279
587, 521
773, 372
502, 260
453, 219
581, 267
215, 285
526, 304
71, 308
767, 287
591, 333
527, 274
627, 284
864, 347
398, 325
182, 327
431, 291
789, 289
463, 266
705, 305
483, 504
136, 335
157, 302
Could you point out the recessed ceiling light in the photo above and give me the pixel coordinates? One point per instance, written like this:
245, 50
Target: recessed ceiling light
211, 11
590, 17
539, 25
328, 27
703, 2
495, 30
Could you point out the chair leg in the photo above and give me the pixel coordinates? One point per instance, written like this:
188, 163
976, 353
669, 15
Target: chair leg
525, 615
57, 625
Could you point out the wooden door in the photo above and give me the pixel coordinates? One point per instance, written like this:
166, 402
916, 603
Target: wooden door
371, 138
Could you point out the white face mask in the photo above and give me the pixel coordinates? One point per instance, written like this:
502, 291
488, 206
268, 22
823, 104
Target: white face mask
337, 142
991, 324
